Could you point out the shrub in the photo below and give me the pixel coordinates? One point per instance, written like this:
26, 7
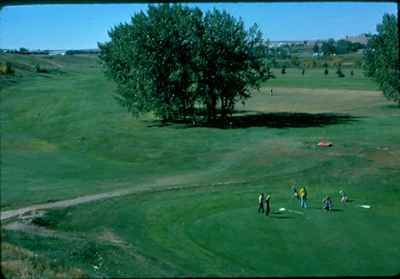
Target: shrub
6, 69
40, 69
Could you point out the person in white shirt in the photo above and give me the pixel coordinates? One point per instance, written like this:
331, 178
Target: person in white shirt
261, 201
343, 196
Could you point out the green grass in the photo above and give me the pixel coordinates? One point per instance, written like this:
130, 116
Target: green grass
315, 78
64, 136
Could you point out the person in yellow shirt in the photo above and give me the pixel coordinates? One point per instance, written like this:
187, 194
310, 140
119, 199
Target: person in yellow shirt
303, 197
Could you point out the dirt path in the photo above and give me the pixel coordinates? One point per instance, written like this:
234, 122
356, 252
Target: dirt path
5, 215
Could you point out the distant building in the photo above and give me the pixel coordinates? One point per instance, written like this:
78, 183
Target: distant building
307, 44
57, 52
316, 54
41, 52
362, 39
311, 43
284, 43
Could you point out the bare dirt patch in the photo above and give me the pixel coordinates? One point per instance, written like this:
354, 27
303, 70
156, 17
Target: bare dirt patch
385, 157
110, 236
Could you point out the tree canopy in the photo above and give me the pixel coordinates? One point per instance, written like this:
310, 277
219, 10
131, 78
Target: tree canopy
381, 58
315, 48
174, 60
342, 46
328, 47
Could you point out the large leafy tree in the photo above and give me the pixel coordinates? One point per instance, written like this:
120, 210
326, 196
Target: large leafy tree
233, 61
381, 58
315, 48
172, 58
153, 60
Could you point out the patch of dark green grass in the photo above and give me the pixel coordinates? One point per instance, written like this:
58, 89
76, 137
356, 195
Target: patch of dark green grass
51, 218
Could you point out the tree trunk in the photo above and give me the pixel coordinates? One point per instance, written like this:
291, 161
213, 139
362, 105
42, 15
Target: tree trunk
211, 107
224, 110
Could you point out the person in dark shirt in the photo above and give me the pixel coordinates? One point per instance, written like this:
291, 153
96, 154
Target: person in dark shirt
327, 203
267, 204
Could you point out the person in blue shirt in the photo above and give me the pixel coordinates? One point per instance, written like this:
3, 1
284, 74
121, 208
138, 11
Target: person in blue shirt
327, 203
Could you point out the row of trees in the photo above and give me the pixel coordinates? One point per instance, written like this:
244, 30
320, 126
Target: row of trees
339, 71
337, 47
316, 62
21, 50
175, 60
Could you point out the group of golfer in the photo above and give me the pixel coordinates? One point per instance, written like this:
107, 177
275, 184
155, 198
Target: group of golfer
300, 194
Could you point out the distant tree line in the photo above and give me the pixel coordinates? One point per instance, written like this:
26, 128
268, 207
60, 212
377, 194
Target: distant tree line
177, 62
331, 47
23, 50
82, 51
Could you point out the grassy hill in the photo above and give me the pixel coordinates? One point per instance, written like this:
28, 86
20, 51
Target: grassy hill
64, 136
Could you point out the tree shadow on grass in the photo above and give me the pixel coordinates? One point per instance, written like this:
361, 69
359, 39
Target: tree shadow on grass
290, 120
277, 120
392, 106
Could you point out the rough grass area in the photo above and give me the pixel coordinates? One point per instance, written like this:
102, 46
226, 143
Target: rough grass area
64, 136
21, 263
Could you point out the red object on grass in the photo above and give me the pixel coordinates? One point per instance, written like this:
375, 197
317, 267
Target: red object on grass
324, 144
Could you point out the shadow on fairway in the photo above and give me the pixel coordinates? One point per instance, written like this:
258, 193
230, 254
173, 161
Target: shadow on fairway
268, 120
282, 217
336, 210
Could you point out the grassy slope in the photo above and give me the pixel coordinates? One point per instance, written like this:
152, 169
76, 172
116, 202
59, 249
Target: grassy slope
63, 136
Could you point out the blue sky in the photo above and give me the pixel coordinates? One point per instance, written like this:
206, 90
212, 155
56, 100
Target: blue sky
82, 26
